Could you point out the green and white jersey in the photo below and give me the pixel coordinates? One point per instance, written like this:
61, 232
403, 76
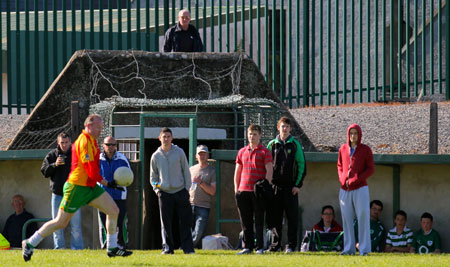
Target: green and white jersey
399, 240
426, 243
376, 233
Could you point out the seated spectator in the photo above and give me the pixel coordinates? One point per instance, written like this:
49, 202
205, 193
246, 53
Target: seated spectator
426, 240
327, 224
377, 233
399, 238
14, 224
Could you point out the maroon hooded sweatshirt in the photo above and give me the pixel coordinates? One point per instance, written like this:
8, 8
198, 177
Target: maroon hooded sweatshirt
359, 167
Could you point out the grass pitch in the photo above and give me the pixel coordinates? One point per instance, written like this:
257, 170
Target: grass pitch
69, 258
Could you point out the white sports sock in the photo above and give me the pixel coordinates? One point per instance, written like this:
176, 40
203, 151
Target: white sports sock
35, 239
111, 240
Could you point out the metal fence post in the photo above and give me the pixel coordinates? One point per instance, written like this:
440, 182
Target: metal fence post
433, 138
329, 52
18, 72
166, 15
205, 21
8, 56
320, 54
336, 34
305, 52
156, 25
447, 54
192, 140
1, 64
344, 54
313, 54
424, 69
27, 57
368, 50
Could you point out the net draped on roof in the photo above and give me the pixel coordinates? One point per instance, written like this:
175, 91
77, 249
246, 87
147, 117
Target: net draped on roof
252, 106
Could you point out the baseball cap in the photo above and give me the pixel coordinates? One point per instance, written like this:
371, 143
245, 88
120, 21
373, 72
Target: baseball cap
202, 148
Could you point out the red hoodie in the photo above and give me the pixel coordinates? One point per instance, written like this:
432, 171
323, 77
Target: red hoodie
359, 167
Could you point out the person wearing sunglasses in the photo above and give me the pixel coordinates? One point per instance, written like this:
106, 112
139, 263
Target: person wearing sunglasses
110, 161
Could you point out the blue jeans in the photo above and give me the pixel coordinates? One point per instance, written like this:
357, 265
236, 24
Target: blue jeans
199, 220
75, 225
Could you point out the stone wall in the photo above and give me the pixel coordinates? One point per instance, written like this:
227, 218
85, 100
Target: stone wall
25, 178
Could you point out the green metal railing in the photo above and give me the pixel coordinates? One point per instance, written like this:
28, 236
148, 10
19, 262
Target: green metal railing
25, 225
311, 52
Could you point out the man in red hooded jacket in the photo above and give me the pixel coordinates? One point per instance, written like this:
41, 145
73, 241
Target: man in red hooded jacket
355, 165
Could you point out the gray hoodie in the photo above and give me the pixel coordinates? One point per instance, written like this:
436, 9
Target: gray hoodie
169, 171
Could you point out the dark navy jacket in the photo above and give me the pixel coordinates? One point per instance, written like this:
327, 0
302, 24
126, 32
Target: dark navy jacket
178, 40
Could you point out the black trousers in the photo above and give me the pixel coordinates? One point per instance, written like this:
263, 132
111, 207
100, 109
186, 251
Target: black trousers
168, 205
249, 208
122, 237
283, 202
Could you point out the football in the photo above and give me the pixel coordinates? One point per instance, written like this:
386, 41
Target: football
123, 176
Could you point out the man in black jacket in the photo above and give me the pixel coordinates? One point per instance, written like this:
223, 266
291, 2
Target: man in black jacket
183, 37
289, 171
56, 166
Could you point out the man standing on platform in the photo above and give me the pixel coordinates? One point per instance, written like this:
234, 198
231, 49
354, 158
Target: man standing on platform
183, 37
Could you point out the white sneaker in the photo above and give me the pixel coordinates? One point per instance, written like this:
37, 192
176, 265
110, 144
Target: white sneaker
260, 251
288, 251
244, 251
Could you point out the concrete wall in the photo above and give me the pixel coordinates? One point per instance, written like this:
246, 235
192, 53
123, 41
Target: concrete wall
24, 177
321, 188
419, 192
423, 188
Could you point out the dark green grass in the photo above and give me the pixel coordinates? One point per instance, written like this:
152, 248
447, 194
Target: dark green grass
69, 258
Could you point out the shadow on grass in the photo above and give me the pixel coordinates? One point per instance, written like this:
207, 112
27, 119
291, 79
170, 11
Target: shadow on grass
296, 253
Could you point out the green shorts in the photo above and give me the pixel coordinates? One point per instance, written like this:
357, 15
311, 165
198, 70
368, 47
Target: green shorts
77, 196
